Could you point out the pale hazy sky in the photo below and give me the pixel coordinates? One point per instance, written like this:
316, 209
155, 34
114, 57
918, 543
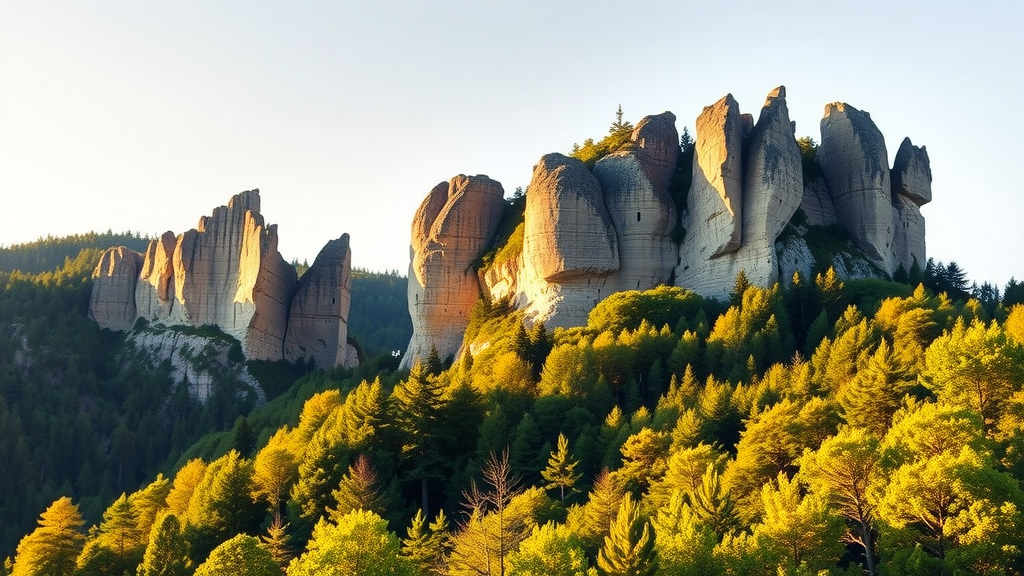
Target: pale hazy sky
145, 115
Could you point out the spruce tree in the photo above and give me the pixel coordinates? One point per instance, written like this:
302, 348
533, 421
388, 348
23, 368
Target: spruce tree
629, 546
167, 552
561, 469
51, 549
359, 490
278, 543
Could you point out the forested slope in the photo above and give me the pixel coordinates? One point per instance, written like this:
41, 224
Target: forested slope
828, 426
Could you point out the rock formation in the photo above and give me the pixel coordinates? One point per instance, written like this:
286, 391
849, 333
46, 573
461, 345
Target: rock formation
589, 233
713, 219
853, 158
911, 189
635, 188
318, 316
226, 272
112, 303
770, 191
451, 229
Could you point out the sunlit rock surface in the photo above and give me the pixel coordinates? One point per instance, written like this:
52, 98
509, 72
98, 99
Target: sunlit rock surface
112, 303
451, 229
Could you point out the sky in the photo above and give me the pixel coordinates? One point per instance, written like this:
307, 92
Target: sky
144, 115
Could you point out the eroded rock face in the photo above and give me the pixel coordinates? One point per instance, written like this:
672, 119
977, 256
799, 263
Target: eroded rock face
453, 227
569, 245
318, 316
911, 189
817, 204
635, 188
227, 272
772, 189
853, 158
112, 303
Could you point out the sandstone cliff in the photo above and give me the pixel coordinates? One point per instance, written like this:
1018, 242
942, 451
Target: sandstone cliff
452, 227
911, 189
226, 272
112, 303
770, 191
853, 158
318, 316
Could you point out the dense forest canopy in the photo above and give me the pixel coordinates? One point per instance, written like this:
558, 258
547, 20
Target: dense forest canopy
830, 425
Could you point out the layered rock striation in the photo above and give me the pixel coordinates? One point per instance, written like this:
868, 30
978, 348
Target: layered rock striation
451, 229
226, 272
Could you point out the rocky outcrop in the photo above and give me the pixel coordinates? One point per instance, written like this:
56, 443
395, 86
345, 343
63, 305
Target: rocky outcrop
318, 317
226, 272
634, 185
713, 218
854, 161
770, 191
112, 303
587, 234
451, 229
911, 189
569, 243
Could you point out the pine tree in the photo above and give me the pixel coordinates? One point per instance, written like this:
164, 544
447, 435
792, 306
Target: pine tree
629, 547
51, 549
561, 469
167, 552
417, 414
359, 490
713, 505
274, 471
620, 127
278, 543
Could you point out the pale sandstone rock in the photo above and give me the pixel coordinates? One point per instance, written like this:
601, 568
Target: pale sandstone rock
854, 161
771, 192
912, 173
713, 218
154, 294
453, 227
318, 316
635, 187
912, 188
112, 303
817, 204
569, 245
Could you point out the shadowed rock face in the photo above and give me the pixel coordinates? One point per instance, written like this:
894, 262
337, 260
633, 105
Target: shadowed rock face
452, 228
854, 161
112, 303
318, 317
771, 191
226, 272
911, 189
714, 212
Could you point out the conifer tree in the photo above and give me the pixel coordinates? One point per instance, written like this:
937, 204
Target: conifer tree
51, 549
803, 526
712, 505
427, 545
359, 490
629, 546
167, 552
417, 414
274, 471
561, 469
278, 543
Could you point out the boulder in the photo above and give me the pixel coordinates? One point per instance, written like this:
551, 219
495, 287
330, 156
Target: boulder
855, 164
771, 192
451, 229
318, 315
112, 302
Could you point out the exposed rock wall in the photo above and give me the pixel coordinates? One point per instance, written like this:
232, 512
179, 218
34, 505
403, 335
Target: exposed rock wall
635, 186
453, 227
770, 191
853, 158
112, 303
713, 218
226, 272
911, 189
318, 317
